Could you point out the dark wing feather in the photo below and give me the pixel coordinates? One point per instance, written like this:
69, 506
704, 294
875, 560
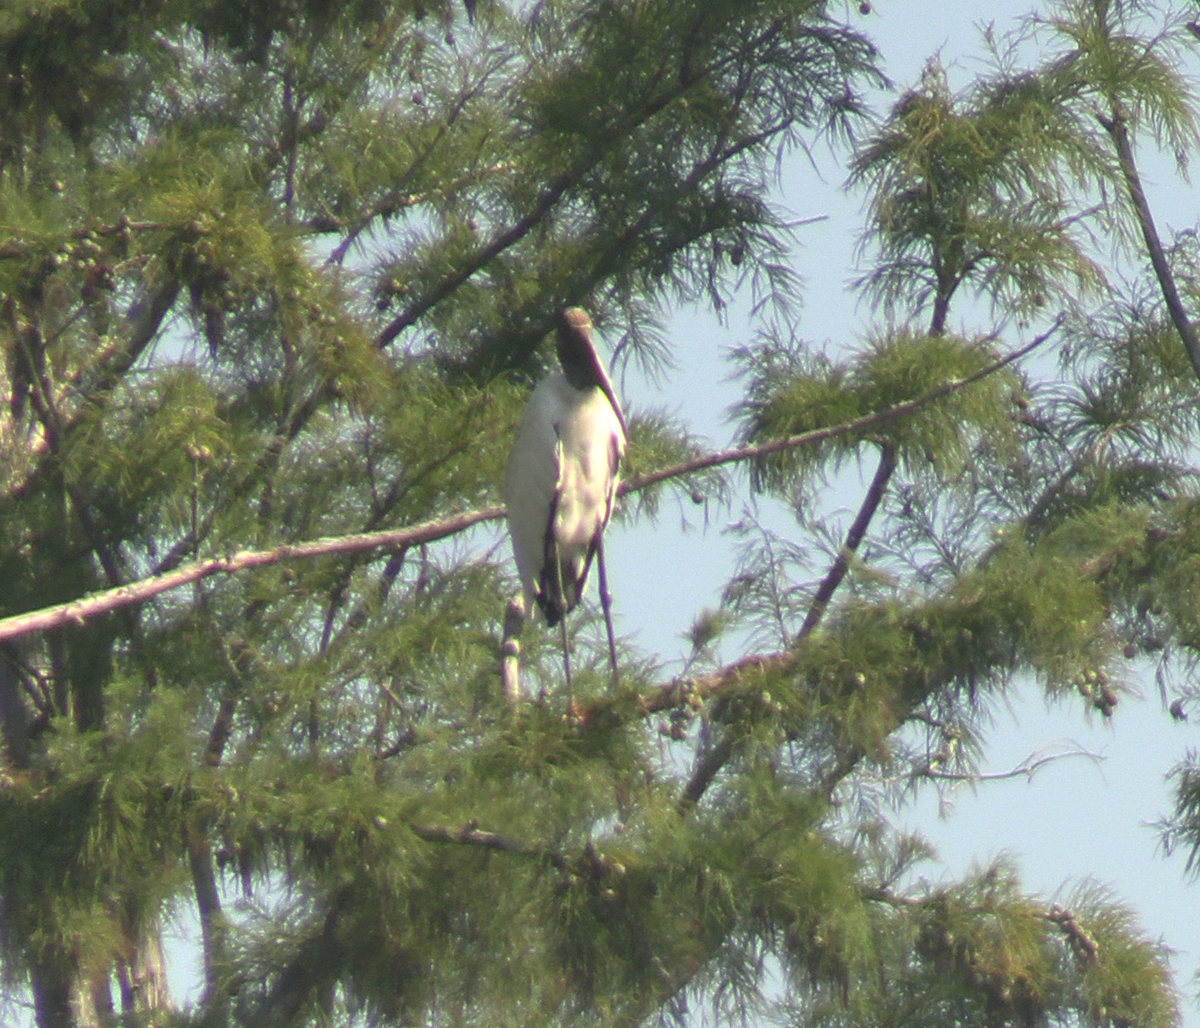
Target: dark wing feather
549, 596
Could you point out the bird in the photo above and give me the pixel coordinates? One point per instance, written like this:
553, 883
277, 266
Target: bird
561, 480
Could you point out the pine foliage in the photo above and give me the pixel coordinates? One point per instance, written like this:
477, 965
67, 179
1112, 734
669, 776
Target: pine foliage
279, 271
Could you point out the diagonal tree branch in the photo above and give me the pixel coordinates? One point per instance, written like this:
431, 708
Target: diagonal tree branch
107, 601
549, 198
819, 435
1118, 130
563, 183
854, 538
311, 967
95, 604
710, 761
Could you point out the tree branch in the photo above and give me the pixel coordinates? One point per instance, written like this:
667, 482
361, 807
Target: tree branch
415, 311
17, 249
709, 764
14, 717
1026, 769
819, 435
95, 604
1082, 942
107, 601
143, 321
854, 538
470, 835
561, 184
208, 906
1118, 131
314, 964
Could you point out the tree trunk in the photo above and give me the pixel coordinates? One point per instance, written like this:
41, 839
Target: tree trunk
14, 717
215, 1001
143, 979
51, 983
92, 1002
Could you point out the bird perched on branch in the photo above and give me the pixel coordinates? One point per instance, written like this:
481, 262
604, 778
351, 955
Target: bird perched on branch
562, 480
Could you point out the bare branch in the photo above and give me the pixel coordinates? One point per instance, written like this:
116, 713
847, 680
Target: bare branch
709, 765
854, 538
820, 435
107, 601
208, 906
1028, 767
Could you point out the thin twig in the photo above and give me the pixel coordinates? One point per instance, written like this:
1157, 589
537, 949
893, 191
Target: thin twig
1029, 767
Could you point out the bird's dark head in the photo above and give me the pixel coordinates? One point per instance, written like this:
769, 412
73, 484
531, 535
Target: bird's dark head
577, 349
579, 357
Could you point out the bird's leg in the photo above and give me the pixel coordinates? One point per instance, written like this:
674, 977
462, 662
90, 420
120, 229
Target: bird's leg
562, 620
510, 666
606, 606
562, 627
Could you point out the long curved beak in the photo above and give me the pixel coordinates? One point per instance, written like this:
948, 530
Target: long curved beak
577, 351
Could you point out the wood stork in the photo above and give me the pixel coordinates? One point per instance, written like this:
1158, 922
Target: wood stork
562, 479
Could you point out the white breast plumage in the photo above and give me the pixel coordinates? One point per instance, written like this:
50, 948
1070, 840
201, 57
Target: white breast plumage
562, 476
561, 479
